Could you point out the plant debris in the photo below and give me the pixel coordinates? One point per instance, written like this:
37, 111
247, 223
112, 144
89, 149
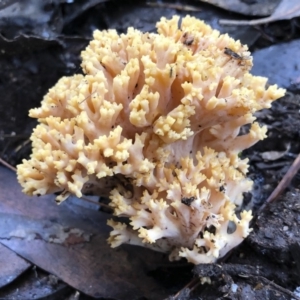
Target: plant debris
266, 61
246, 7
15, 226
39, 236
286, 10
35, 54
36, 284
11, 266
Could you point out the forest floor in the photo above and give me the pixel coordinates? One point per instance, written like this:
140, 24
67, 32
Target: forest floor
39, 44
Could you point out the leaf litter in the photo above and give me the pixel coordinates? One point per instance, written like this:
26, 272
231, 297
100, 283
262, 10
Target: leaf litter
94, 259
89, 266
286, 10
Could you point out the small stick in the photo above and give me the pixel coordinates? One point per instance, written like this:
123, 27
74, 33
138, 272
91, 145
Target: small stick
87, 97
283, 184
174, 6
89, 200
94, 202
283, 290
6, 164
191, 285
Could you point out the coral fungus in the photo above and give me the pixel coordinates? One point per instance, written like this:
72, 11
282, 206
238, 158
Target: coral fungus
155, 125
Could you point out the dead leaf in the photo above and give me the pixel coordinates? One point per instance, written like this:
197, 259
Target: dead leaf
286, 10
91, 267
5, 3
249, 8
280, 63
36, 284
27, 228
74, 9
11, 266
269, 166
272, 155
41, 18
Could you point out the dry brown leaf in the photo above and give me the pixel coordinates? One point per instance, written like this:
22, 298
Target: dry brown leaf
281, 64
38, 230
36, 284
259, 8
286, 10
11, 266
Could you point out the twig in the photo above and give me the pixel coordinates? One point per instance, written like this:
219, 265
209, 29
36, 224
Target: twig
276, 286
89, 200
87, 97
191, 286
285, 181
174, 6
6, 164
264, 34
246, 22
94, 202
